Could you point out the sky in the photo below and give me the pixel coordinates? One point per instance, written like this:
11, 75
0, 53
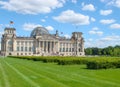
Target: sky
98, 20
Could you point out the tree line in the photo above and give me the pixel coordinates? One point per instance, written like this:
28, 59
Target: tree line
107, 51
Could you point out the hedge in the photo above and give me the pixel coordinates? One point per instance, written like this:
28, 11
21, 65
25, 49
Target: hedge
91, 63
104, 63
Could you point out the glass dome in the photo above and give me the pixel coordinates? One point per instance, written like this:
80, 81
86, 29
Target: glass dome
39, 31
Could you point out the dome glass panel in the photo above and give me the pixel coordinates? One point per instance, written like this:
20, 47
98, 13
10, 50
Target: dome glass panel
39, 31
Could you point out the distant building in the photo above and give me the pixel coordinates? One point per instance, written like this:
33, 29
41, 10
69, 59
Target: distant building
41, 43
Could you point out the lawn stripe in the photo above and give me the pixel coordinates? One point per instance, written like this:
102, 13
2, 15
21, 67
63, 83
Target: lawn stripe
72, 76
88, 78
40, 75
47, 71
5, 78
97, 80
23, 76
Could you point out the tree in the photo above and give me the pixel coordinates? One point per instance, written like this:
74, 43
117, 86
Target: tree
109, 51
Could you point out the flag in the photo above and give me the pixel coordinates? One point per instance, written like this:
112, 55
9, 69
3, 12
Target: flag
11, 22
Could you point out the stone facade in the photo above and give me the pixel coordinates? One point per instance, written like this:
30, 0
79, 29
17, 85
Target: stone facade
41, 43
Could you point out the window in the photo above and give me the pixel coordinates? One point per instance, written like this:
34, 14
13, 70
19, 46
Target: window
10, 53
30, 49
69, 49
21, 48
60, 49
10, 48
79, 50
18, 49
33, 48
63, 49
72, 49
66, 49
25, 48
10, 42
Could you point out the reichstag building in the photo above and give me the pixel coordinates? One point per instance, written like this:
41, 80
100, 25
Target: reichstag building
41, 43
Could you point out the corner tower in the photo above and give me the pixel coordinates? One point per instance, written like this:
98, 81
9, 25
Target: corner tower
78, 43
7, 41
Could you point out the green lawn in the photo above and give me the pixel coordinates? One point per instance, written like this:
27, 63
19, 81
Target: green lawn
27, 73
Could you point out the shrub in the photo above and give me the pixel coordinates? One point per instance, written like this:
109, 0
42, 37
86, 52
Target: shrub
104, 63
91, 63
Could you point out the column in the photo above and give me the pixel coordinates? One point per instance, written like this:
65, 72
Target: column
39, 46
43, 48
61, 46
71, 47
57, 47
50, 46
46, 46
65, 48
54, 47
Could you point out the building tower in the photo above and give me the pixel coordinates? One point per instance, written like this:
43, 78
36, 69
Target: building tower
7, 41
78, 43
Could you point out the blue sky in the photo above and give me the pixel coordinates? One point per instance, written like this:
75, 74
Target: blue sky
99, 20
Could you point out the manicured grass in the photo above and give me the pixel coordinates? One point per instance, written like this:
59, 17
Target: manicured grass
27, 73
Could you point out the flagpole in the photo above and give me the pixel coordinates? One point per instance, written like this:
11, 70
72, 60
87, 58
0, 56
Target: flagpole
11, 24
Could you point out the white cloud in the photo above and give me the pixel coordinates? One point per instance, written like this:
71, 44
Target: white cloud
74, 1
115, 26
31, 6
115, 3
67, 36
90, 39
1, 33
111, 40
93, 19
102, 0
30, 26
70, 16
95, 28
50, 28
105, 12
43, 20
1, 26
105, 1
96, 31
108, 21
88, 7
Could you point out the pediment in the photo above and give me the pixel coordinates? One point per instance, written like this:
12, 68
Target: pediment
47, 37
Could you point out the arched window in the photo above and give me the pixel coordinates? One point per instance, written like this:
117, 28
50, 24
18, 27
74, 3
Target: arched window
10, 43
